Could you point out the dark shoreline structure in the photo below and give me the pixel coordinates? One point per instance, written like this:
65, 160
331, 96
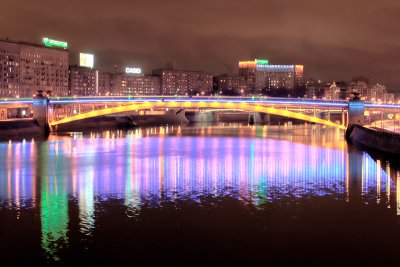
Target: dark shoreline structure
374, 138
20, 128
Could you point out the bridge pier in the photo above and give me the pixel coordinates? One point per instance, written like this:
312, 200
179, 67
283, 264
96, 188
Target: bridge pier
259, 117
40, 110
355, 115
356, 112
199, 116
344, 117
3, 113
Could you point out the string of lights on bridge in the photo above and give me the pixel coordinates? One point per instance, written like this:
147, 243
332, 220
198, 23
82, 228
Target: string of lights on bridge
273, 101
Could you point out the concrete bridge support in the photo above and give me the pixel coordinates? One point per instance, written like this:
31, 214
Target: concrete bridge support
40, 109
355, 115
259, 117
205, 117
199, 116
3, 113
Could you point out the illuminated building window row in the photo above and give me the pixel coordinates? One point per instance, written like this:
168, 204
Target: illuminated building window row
259, 76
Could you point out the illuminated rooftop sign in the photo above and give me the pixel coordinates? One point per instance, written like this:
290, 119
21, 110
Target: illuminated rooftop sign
86, 60
262, 61
54, 43
130, 70
257, 63
247, 64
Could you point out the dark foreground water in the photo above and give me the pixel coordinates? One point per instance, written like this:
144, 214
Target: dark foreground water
213, 195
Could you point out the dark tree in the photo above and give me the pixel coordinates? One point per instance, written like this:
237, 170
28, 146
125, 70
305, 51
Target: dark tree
229, 92
276, 92
319, 93
361, 78
343, 93
299, 91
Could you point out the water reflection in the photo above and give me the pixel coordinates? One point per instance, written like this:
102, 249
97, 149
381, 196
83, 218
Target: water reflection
151, 166
54, 216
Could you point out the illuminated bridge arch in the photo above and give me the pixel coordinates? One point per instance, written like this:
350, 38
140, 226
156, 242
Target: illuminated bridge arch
248, 107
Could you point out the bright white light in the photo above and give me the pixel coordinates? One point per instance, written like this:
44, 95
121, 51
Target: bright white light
86, 60
133, 70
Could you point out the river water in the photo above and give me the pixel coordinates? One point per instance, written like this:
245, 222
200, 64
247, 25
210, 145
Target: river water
225, 194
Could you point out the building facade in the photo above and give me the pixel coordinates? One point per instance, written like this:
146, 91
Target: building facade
259, 74
10, 62
27, 68
235, 85
179, 82
83, 81
275, 76
378, 93
360, 87
248, 70
104, 83
318, 89
128, 84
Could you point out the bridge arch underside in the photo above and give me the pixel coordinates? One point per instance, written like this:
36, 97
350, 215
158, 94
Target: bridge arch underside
247, 107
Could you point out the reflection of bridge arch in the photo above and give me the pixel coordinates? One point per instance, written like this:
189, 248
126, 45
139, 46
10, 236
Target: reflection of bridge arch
249, 107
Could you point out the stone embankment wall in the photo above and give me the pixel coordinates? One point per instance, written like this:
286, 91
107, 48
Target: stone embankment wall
374, 138
18, 128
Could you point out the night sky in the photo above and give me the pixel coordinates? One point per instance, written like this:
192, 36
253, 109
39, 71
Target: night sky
334, 39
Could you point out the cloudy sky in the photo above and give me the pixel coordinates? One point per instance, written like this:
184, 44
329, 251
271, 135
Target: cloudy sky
334, 39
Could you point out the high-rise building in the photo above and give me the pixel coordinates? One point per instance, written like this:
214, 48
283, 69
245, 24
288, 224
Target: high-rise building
248, 70
333, 92
234, 84
388, 98
26, 68
82, 81
10, 61
104, 84
131, 84
378, 93
179, 82
260, 74
318, 89
360, 87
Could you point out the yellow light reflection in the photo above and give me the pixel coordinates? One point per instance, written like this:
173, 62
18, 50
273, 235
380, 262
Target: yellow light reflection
378, 181
347, 177
398, 192
388, 183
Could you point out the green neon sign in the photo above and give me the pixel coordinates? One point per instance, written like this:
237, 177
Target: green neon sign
262, 61
54, 43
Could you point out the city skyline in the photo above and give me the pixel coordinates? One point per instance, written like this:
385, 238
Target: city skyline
215, 36
28, 67
201, 133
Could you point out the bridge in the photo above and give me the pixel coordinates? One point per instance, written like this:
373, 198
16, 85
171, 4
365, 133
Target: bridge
60, 111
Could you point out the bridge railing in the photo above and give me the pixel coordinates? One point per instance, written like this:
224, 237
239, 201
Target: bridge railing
260, 100
9, 101
255, 99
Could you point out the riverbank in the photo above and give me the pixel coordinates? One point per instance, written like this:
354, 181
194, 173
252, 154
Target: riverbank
374, 138
19, 128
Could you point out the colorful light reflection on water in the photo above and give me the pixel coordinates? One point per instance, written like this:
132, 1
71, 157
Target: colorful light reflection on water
150, 166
